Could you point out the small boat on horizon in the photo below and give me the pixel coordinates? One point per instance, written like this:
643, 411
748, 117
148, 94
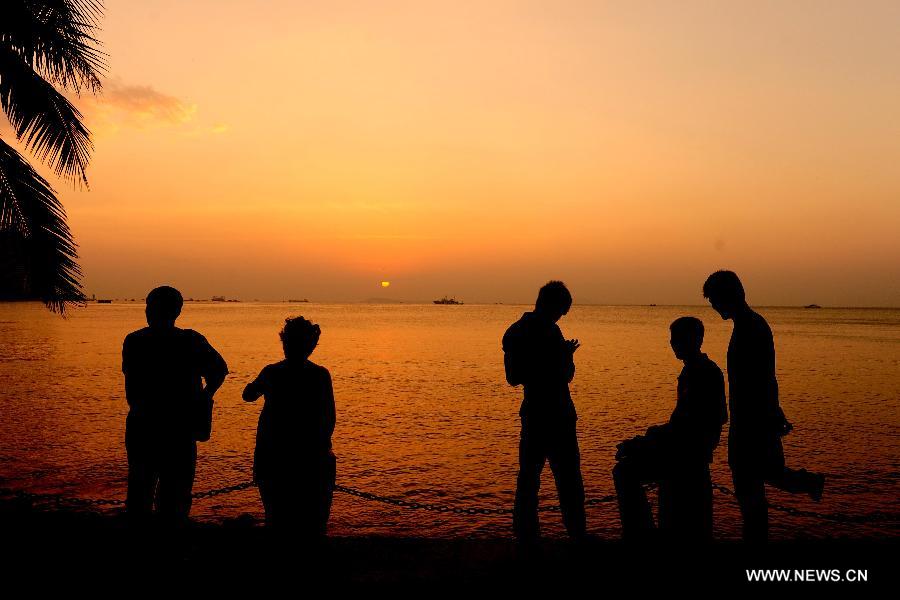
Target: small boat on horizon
446, 300
103, 301
812, 306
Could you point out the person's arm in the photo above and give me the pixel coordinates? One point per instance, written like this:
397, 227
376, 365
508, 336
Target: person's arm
715, 410
567, 355
720, 400
665, 431
510, 365
751, 376
214, 381
330, 412
770, 413
130, 391
687, 427
214, 368
255, 388
570, 346
512, 359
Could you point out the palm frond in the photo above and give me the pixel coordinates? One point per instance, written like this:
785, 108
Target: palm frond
44, 120
34, 221
57, 38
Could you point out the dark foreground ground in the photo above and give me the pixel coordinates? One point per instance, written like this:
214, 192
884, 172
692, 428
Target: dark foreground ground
47, 550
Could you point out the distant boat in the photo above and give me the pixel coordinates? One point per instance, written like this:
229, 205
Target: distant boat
104, 301
812, 306
446, 300
304, 300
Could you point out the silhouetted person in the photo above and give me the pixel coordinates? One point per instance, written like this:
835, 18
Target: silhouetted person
677, 454
537, 357
170, 409
755, 452
293, 464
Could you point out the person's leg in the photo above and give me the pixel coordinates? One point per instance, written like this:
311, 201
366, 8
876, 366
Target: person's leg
565, 462
265, 496
685, 503
176, 481
750, 492
798, 481
704, 506
282, 506
531, 462
629, 475
314, 500
142, 476
670, 511
777, 474
326, 494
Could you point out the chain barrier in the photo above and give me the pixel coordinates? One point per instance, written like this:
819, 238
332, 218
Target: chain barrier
59, 500
439, 508
874, 517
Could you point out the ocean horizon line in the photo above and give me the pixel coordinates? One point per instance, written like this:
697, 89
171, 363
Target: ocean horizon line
413, 302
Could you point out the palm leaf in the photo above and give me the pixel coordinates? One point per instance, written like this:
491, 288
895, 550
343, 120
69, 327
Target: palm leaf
56, 37
43, 119
33, 230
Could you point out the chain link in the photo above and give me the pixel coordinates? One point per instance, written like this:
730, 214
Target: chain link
60, 499
439, 508
225, 490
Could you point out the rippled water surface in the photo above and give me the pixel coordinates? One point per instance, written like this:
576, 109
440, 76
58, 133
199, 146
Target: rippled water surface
424, 412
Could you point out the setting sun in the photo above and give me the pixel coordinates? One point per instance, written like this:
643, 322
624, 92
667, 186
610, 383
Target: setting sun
385, 284
583, 148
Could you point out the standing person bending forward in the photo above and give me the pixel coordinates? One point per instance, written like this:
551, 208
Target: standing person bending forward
538, 357
755, 451
293, 464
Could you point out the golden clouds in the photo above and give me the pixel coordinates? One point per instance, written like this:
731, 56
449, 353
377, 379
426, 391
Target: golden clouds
142, 107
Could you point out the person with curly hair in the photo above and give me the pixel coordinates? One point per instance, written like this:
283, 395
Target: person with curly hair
293, 465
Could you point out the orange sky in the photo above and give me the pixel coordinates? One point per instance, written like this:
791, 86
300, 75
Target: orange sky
313, 149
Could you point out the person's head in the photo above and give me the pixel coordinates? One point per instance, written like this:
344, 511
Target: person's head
299, 338
725, 293
163, 306
553, 301
687, 337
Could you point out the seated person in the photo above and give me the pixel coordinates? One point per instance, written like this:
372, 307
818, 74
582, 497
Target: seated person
677, 454
293, 464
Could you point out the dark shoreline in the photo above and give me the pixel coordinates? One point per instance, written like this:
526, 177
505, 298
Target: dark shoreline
99, 547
